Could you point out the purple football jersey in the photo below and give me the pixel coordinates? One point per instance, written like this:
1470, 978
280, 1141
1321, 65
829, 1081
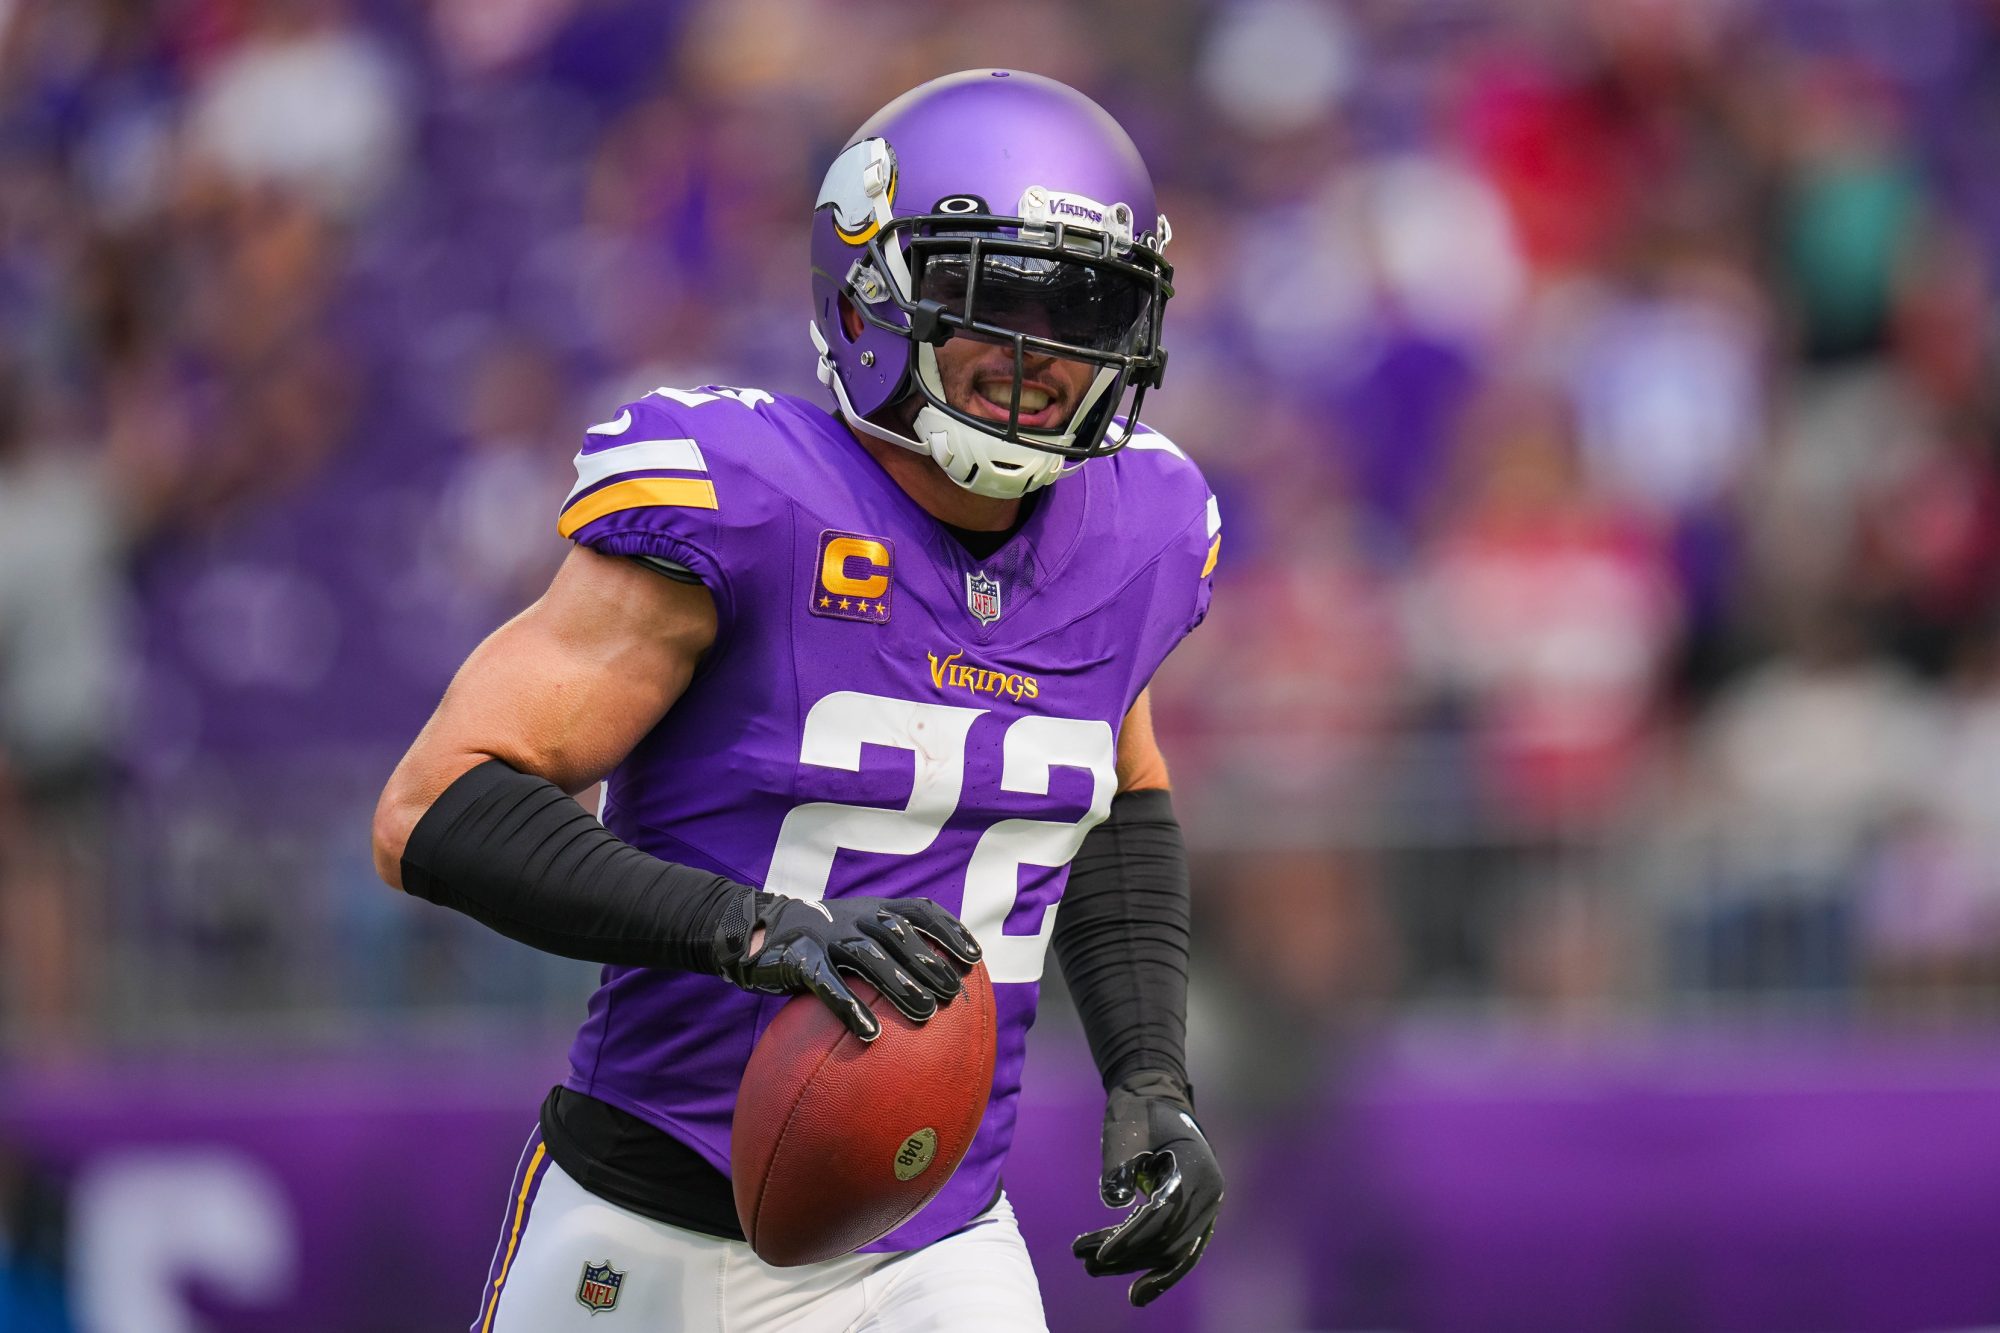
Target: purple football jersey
880, 714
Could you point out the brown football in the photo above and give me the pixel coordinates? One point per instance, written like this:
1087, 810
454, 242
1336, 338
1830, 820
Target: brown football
837, 1141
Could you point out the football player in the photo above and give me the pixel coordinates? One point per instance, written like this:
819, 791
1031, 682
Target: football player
867, 691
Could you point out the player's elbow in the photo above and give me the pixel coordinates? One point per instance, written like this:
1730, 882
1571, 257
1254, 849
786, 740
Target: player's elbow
396, 816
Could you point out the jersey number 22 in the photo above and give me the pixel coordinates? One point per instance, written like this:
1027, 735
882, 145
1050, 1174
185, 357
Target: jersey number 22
841, 723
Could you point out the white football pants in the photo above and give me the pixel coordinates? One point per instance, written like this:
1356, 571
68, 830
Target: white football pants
663, 1279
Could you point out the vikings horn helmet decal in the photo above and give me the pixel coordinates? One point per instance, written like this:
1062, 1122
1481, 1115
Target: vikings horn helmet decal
1002, 206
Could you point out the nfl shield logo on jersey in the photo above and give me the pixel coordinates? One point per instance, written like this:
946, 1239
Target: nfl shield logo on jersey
982, 597
599, 1289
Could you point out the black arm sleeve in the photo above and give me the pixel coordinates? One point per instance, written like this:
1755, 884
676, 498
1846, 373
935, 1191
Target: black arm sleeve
1121, 938
516, 853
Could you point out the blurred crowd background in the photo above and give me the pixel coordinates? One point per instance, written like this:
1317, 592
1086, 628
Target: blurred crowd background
1599, 394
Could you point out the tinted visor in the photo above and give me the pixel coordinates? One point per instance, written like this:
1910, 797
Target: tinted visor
1095, 307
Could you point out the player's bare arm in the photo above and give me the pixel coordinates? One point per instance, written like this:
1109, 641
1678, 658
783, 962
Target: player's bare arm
1141, 766
562, 691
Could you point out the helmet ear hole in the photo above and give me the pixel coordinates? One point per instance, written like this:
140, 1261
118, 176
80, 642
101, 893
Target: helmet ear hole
850, 319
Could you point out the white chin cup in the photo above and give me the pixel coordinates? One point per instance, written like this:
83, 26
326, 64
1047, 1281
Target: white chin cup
984, 464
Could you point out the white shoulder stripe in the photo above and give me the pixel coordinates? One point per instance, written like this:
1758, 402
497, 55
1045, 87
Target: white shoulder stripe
1154, 440
638, 456
1214, 517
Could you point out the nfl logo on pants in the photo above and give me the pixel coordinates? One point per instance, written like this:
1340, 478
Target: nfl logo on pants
599, 1289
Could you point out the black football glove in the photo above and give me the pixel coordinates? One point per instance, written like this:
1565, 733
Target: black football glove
808, 942
1152, 1143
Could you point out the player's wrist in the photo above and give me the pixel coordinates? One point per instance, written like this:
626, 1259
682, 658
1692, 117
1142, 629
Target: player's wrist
742, 939
737, 935
1155, 1084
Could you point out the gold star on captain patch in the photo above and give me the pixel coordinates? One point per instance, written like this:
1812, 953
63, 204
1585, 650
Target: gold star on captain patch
826, 601
846, 605
881, 609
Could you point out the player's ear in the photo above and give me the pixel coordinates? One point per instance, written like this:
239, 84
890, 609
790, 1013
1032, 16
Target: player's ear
850, 319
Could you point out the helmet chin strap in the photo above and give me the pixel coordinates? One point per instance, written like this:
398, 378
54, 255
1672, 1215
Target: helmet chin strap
963, 453
980, 460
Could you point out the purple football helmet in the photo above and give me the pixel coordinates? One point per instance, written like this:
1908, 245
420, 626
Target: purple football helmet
1002, 206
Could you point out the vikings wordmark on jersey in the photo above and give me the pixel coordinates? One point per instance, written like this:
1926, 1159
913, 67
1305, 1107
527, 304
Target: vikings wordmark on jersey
855, 730
949, 673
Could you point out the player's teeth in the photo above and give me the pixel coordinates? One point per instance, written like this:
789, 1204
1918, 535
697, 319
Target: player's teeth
1033, 400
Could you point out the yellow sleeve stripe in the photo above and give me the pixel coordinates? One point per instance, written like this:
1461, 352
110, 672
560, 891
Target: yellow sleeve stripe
678, 492
1214, 550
